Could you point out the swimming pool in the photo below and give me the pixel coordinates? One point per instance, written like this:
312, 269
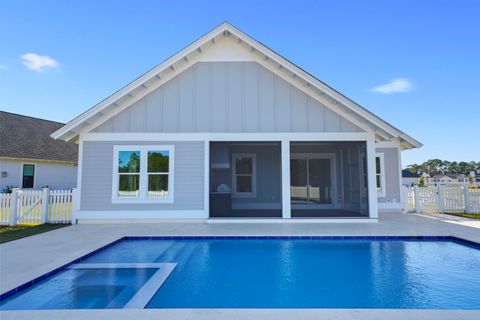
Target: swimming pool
266, 272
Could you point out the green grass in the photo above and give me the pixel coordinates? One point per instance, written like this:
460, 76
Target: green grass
17, 232
465, 215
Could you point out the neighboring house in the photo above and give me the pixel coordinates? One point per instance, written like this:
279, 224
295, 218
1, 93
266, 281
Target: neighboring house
444, 179
410, 178
30, 158
450, 179
229, 128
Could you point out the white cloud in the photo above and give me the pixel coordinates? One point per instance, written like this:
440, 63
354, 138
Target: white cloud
37, 62
3, 66
399, 85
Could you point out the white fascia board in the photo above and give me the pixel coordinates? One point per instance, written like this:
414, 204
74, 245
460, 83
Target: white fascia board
242, 136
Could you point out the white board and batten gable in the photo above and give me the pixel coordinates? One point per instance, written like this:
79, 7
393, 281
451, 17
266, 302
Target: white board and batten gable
228, 82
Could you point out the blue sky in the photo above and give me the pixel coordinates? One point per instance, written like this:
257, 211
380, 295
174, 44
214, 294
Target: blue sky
414, 63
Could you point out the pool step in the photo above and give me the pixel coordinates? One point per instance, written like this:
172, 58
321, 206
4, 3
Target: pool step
171, 253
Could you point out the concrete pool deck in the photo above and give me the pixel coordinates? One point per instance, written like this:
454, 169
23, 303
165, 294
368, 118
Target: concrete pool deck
26, 259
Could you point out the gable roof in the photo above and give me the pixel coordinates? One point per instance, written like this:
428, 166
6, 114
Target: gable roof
27, 138
173, 65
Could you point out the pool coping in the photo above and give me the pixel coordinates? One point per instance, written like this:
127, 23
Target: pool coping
30, 283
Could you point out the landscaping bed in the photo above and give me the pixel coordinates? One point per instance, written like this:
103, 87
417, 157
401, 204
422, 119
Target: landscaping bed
10, 233
465, 215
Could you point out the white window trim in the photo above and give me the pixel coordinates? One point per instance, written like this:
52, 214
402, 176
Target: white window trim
380, 193
143, 173
252, 194
34, 174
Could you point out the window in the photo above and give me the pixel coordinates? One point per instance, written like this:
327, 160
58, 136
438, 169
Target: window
158, 162
380, 174
129, 173
244, 175
28, 176
143, 174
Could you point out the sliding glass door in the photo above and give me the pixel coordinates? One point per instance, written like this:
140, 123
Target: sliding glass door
311, 179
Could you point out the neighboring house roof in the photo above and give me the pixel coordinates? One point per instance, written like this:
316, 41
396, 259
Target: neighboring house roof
456, 175
23, 137
409, 174
151, 80
453, 176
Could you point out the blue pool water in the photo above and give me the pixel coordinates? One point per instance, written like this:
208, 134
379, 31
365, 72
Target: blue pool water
272, 273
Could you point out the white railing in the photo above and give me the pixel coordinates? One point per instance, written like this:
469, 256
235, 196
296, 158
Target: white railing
474, 201
32, 207
5, 199
60, 206
442, 199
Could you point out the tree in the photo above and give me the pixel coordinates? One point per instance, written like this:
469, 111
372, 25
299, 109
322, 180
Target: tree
414, 168
434, 166
421, 182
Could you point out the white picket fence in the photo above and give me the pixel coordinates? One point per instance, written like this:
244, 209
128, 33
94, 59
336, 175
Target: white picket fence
32, 207
442, 199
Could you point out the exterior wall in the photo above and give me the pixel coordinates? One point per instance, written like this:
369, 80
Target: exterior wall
53, 175
408, 182
227, 97
392, 175
97, 164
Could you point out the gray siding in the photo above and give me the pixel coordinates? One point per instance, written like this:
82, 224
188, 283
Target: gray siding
96, 193
392, 169
227, 97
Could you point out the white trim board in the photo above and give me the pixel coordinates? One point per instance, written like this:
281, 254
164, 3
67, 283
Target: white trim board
230, 137
139, 215
382, 192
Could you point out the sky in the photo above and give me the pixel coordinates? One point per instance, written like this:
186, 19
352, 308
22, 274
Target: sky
416, 64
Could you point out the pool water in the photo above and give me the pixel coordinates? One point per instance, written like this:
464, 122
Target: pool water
271, 273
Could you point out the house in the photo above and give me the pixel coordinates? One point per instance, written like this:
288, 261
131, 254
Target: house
228, 128
449, 179
410, 178
30, 158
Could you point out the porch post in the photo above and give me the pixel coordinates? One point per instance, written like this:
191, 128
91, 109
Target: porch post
372, 184
206, 205
285, 159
